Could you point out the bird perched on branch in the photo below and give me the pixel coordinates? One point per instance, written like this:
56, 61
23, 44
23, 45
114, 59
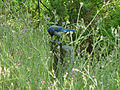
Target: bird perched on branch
58, 30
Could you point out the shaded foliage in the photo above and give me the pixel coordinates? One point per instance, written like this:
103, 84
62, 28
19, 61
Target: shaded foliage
65, 10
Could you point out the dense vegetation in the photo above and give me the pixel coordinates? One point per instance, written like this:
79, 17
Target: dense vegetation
25, 56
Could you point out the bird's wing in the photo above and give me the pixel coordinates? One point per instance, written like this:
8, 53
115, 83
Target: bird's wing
58, 28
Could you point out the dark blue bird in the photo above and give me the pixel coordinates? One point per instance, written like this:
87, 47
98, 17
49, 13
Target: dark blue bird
58, 30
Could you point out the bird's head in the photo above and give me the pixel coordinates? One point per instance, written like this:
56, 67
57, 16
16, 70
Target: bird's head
51, 31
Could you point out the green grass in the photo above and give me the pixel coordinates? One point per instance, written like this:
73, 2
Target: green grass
25, 59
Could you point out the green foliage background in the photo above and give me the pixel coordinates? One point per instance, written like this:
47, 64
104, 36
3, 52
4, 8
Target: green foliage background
25, 57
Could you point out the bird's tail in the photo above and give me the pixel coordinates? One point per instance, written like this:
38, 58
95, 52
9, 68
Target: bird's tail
67, 30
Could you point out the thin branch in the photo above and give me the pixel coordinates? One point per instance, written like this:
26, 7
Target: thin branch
39, 11
45, 6
39, 8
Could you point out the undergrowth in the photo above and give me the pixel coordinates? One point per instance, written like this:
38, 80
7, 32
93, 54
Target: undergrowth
25, 56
